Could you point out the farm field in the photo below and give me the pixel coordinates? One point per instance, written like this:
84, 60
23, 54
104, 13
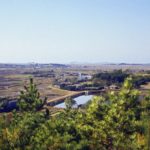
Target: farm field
10, 85
14, 77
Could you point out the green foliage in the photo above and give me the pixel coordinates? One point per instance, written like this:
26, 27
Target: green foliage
111, 122
114, 118
146, 129
108, 78
17, 133
69, 103
146, 120
29, 99
140, 80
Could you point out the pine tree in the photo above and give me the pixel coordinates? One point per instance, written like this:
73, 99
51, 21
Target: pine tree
29, 99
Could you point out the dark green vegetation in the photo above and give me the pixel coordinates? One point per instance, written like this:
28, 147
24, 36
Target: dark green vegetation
99, 81
30, 98
117, 77
118, 121
108, 78
140, 80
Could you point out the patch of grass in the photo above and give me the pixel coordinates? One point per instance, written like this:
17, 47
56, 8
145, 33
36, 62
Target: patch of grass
59, 91
19, 76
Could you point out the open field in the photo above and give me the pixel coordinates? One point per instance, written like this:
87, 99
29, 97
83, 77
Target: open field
10, 86
14, 77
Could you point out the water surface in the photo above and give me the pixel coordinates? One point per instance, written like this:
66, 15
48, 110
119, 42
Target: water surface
79, 100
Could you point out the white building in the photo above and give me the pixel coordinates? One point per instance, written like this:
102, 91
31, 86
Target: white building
82, 77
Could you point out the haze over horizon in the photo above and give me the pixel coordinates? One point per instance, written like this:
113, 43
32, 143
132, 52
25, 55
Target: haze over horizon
92, 31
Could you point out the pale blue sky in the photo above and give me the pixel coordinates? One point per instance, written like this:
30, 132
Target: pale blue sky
65, 31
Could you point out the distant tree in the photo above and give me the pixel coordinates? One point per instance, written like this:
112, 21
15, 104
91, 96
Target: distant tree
69, 103
29, 99
117, 77
140, 80
3, 103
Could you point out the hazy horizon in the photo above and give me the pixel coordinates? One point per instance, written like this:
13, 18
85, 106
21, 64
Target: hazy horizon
82, 31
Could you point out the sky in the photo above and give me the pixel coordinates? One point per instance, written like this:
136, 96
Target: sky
66, 31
